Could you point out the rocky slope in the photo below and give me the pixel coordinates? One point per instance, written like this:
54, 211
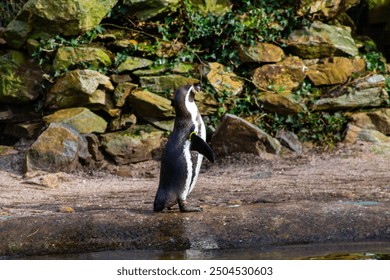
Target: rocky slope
97, 90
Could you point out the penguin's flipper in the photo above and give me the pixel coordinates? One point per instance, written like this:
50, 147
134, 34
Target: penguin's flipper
199, 145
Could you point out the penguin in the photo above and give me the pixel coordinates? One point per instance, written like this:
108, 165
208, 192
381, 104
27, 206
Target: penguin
183, 153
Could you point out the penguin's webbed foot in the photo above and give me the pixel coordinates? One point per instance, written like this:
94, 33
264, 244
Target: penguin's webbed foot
185, 208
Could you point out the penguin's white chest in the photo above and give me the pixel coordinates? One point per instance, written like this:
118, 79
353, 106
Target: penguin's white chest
193, 161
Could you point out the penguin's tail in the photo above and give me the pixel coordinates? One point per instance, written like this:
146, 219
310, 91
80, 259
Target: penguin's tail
159, 201
158, 206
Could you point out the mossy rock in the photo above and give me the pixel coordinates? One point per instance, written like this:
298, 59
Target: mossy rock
61, 17
66, 57
19, 78
82, 119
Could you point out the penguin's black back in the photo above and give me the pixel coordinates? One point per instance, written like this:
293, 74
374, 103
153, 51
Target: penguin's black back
173, 173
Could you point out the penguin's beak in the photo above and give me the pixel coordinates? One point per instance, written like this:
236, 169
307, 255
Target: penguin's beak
196, 88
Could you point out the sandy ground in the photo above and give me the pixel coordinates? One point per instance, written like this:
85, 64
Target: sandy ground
319, 196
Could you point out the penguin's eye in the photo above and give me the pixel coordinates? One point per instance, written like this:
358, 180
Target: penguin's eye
197, 87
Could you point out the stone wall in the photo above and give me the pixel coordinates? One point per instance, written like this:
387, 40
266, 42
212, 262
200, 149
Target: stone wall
89, 100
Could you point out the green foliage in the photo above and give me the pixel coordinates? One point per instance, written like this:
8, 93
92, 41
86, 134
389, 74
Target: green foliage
215, 37
44, 53
375, 62
374, 59
9, 9
240, 105
322, 128
207, 37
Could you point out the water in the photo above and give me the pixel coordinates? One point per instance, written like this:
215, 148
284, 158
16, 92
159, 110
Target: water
333, 251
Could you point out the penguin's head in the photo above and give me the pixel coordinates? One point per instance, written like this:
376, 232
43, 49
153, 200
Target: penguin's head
185, 100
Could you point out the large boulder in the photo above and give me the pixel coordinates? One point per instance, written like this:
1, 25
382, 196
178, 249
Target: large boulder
150, 105
355, 133
67, 57
132, 63
218, 8
148, 9
290, 140
324, 9
374, 119
222, 80
122, 91
59, 148
206, 103
19, 78
260, 52
166, 83
236, 135
322, 40
45, 18
136, 144
281, 77
79, 88
123, 122
81, 119
335, 70
281, 103
365, 92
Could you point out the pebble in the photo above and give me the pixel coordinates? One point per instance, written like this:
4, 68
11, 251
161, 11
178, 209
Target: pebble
65, 209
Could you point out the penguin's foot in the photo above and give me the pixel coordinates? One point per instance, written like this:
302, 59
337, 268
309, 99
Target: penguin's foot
184, 207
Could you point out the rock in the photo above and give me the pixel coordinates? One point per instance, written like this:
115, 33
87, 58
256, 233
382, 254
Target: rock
324, 9
25, 130
47, 18
290, 140
46, 180
336, 70
236, 135
19, 78
182, 68
153, 71
281, 103
150, 105
261, 52
322, 40
281, 77
123, 122
66, 209
79, 88
19, 113
132, 63
207, 105
81, 119
223, 81
32, 46
166, 125
101, 100
375, 120
67, 57
122, 91
355, 133
205, 7
7, 150
136, 144
118, 79
365, 92
58, 148
166, 83
93, 147
147, 9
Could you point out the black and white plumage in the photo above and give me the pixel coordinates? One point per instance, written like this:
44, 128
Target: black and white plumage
183, 154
